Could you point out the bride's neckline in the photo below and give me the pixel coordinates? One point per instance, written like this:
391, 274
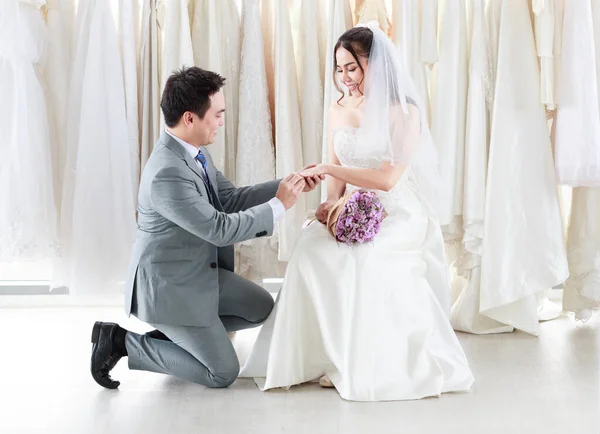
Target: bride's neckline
345, 128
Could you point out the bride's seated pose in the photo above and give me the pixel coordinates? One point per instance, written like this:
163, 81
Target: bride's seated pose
370, 319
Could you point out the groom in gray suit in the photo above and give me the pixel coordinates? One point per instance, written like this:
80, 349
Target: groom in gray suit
181, 278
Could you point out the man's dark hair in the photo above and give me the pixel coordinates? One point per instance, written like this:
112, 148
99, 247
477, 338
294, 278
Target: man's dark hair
189, 89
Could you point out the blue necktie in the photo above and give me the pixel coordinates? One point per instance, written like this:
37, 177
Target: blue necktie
202, 159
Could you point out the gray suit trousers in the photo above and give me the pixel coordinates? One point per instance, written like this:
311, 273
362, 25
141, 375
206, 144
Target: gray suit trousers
204, 355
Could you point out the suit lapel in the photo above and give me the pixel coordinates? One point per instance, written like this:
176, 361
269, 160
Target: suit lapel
192, 165
182, 153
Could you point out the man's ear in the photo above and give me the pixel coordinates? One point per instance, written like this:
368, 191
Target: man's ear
188, 118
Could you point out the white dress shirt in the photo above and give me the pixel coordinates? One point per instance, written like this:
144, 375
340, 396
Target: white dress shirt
275, 204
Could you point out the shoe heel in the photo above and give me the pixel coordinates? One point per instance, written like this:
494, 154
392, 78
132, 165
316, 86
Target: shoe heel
96, 332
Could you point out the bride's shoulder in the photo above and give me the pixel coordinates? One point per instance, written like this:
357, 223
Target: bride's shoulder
337, 105
343, 111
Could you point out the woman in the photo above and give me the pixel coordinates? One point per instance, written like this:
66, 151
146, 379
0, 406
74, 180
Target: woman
372, 320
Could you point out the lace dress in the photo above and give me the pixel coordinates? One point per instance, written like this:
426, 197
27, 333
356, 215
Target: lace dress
255, 259
373, 317
27, 205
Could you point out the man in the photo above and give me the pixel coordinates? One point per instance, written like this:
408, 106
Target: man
181, 277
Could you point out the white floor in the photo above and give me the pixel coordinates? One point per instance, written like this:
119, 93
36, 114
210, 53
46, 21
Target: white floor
523, 384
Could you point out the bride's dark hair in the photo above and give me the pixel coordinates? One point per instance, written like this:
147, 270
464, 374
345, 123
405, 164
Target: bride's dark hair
357, 41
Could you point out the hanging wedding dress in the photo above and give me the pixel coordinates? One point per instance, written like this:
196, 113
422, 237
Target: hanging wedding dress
523, 242
310, 79
577, 124
27, 202
288, 131
216, 42
415, 30
582, 289
268, 29
255, 259
343, 312
128, 35
98, 213
466, 314
60, 17
544, 40
448, 113
373, 10
176, 39
149, 79
479, 100
493, 11
340, 20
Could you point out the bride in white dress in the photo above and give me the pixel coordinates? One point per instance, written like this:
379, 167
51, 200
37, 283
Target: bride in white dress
372, 320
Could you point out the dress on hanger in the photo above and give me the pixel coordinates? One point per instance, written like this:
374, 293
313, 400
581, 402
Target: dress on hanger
523, 242
255, 259
98, 212
28, 215
216, 41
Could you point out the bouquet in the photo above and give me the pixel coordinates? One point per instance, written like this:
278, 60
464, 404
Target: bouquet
356, 217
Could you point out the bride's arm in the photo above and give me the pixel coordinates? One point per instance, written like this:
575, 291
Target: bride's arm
407, 135
384, 179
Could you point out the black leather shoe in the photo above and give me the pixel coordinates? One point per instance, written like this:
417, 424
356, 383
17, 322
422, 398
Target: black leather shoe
106, 353
157, 334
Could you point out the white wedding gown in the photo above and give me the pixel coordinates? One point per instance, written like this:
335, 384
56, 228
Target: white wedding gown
27, 197
97, 227
216, 42
450, 81
258, 258
577, 124
373, 317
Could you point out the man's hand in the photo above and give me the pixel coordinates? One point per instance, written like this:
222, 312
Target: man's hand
312, 180
323, 211
290, 189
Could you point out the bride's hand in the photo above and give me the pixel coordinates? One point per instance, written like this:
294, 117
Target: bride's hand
312, 179
319, 170
323, 211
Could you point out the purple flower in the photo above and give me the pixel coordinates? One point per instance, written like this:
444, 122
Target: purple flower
360, 220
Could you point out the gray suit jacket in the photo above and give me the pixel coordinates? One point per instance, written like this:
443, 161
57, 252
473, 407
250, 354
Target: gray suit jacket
184, 236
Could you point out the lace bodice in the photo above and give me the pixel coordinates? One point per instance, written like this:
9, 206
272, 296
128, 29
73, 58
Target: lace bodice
395, 200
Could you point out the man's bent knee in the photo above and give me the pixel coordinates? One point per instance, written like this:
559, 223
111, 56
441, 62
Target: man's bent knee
263, 305
224, 374
223, 379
